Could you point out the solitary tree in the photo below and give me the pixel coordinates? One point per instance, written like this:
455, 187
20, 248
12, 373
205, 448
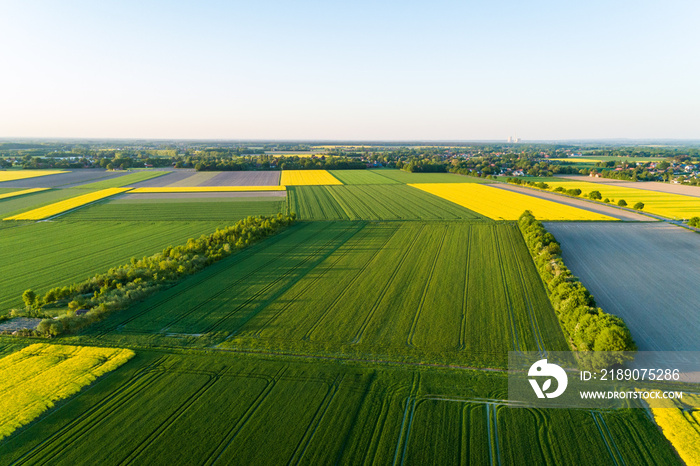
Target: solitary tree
639, 206
595, 195
29, 298
622, 203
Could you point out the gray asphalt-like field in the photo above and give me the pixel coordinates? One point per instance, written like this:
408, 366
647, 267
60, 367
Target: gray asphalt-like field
619, 214
685, 190
224, 195
646, 273
247, 178
63, 180
165, 180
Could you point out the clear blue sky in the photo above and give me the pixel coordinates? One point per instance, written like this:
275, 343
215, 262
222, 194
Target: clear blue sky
350, 70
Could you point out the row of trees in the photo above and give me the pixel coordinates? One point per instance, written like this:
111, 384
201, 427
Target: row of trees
121, 286
593, 195
203, 163
587, 327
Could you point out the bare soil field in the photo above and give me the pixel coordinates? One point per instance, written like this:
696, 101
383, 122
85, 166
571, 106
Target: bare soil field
685, 190
246, 194
69, 179
164, 180
19, 323
593, 207
263, 178
646, 273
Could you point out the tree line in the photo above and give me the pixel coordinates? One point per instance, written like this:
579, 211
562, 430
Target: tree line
586, 326
92, 299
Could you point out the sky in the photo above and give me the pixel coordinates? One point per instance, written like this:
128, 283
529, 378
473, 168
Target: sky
360, 70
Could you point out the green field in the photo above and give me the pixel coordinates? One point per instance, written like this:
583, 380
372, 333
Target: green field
349, 288
224, 209
378, 334
162, 408
49, 254
407, 177
361, 177
123, 180
376, 202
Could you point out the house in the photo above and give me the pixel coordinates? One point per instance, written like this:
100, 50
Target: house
81, 312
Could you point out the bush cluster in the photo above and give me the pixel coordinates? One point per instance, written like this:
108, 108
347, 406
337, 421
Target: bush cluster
586, 326
121, 286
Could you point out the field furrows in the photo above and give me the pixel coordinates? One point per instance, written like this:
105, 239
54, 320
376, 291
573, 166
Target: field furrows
74, 430
428, 282
173, 417
249, 412
221, 270
375, 202
607, 438
373, 308
77, 259
515, 341
341, 296
253, 411
310, 285
465, 293
524, 291
173, 294
303, 445
324, 251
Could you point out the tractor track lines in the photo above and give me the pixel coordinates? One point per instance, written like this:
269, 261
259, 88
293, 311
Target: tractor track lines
387, 285
363, 232
89, 419
202, 276
465, 300
424, 294
231, 435
504, 281
354, 279
321, 251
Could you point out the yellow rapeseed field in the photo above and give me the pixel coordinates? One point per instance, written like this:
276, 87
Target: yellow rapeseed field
66, 205
500, 204
11, 175
664, 204
205, 189
22, 192
33, 379
680, 422
307, 178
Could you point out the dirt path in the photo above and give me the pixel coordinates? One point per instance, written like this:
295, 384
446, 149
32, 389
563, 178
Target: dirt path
592, 206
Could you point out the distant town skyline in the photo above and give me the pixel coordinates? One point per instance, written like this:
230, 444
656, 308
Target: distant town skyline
404, 71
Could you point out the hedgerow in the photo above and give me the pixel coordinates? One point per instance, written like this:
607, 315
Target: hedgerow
587, 327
